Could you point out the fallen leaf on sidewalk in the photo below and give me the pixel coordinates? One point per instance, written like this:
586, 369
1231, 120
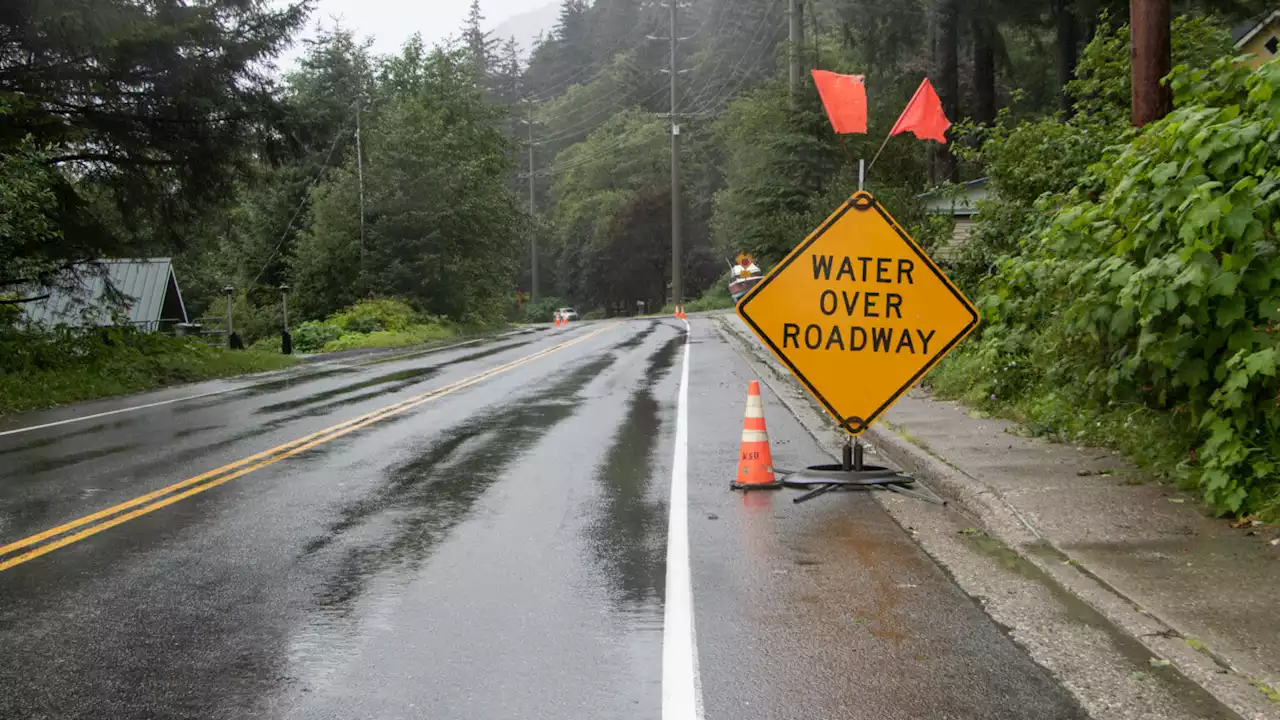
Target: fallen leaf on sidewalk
1177, 500
1246, 521
1275, 541
1158, 662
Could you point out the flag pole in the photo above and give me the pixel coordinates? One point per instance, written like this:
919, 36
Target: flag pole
877, 155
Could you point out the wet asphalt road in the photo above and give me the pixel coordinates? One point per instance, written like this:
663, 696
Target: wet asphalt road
493, 547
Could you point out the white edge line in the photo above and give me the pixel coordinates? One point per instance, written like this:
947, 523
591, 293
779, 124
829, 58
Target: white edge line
117, 411
681, 683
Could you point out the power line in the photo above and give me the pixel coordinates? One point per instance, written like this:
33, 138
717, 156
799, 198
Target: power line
610, 110
573, 77
302, 203
720, 91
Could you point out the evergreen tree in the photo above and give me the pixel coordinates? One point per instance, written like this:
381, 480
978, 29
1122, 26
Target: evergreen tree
150, 106
480, 47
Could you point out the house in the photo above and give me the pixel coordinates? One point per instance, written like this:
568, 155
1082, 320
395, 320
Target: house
143, 293
961, 205
1259, 38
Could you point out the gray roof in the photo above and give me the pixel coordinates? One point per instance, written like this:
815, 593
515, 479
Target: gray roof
1244, 32
959, 203
143, 283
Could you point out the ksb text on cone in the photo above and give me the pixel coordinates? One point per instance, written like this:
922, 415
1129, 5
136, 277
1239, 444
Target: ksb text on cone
755, 460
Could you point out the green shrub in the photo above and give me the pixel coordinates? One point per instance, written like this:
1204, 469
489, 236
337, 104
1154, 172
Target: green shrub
313, 335
716, 297
541, 311
369, 316
1155, 285
270, 343
61, 365
412, 335
1044, 159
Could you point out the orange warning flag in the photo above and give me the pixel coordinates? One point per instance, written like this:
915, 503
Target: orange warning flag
845, 98
924, 116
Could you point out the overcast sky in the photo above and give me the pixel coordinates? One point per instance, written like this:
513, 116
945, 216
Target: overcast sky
391, 22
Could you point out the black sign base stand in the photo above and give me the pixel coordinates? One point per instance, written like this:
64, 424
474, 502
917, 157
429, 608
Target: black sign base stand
853, 474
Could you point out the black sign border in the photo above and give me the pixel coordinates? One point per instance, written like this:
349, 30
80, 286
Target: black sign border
860, 201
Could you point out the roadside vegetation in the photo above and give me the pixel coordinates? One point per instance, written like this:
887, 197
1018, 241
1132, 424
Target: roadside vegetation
1127, 277
716, 297
370, 324
39, 370
1129, 280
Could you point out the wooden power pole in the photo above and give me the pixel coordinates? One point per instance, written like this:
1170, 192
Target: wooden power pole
1149, 22
677, 252
795, 41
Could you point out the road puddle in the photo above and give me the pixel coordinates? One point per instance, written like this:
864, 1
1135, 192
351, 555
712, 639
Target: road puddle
397, 380
395, 529
628, 532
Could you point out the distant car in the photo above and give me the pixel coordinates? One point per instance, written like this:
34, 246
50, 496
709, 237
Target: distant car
567, 314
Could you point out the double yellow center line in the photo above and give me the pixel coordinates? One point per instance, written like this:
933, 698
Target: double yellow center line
124, 512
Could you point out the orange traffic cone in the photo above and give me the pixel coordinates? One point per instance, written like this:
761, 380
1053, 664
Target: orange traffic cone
557, 319
755, 461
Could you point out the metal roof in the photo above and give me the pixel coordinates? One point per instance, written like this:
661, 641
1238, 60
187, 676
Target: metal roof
1244, 32
961, 203
143, 283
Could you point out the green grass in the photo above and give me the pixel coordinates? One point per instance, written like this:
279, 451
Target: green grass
716, 297
122, 368
411, 335
1155, 441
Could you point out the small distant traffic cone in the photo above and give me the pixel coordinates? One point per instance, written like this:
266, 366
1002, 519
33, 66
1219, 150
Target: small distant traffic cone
755, 461
557, 319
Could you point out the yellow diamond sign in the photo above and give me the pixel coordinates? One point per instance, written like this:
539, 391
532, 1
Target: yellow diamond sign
858, 312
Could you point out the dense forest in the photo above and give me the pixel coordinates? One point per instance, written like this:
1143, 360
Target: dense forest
164, 128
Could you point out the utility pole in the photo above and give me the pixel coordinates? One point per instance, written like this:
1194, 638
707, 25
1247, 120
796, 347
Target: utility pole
229, 291
677, 253
533, 229
360, 176
1149, 22
796, 40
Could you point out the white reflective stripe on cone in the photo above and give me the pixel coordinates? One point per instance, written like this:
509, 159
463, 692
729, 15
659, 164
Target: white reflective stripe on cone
755, 436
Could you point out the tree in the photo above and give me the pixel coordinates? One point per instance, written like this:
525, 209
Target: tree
948, 75
443, 228
31, 252
566, 57
147, 105
334, 80
1152, 60
1066, 36
480, 47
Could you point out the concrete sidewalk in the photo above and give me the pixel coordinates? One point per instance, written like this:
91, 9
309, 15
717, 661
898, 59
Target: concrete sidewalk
1190, 588
1216, 587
